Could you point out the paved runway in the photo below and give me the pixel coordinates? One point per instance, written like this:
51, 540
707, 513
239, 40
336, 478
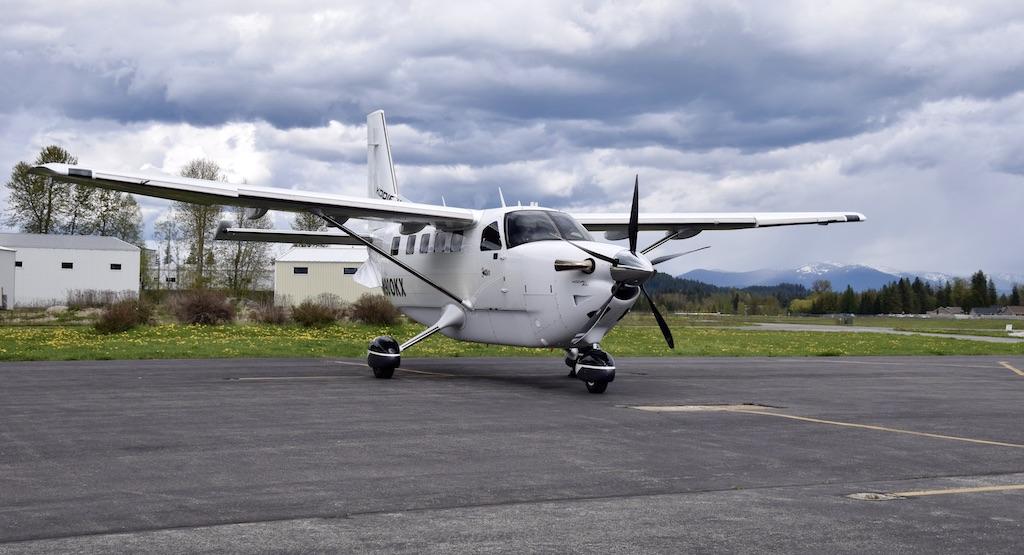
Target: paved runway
508, 455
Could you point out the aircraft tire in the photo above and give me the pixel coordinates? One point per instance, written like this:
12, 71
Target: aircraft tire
383, 373
596, 387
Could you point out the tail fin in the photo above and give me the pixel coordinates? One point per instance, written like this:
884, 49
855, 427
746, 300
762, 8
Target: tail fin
378, 159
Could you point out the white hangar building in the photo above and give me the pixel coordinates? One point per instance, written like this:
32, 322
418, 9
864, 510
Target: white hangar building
47, 267
6, 278
307, 272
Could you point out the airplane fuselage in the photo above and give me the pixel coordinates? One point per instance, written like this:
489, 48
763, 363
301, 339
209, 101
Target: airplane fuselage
518, 297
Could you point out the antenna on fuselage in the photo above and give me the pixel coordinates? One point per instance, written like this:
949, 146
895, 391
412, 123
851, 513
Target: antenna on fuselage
501, 197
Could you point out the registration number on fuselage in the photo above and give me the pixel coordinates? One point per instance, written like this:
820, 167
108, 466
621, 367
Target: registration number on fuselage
393, 287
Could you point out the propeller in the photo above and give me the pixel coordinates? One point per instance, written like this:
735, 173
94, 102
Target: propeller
665, 258
665, 331
629, 268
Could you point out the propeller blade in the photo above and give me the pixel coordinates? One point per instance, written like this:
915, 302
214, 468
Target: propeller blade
661, 321
658, 260
634, 216
596, 255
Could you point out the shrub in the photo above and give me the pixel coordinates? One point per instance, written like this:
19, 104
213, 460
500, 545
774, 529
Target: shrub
269, 313
312, 314
123, 316
93, 298
204, 307
374, 309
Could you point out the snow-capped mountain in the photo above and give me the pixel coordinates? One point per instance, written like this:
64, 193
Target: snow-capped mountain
857, 276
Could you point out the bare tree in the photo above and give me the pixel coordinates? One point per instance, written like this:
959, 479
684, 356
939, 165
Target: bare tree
197, 221
304, 221
36, 204
243, 261
116, 215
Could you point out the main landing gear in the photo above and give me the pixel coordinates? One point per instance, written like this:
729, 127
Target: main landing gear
594, 367
385, 354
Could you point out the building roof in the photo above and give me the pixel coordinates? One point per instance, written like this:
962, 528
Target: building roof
1014, 310
985, 311
71, 242
325, 254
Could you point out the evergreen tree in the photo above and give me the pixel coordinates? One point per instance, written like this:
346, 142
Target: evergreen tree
1015, 295
993, 296
848, 302
979, 291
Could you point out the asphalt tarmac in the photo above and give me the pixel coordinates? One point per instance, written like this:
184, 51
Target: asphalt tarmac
509, 455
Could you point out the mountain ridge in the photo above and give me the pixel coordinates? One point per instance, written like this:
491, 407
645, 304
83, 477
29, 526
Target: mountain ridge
858, 276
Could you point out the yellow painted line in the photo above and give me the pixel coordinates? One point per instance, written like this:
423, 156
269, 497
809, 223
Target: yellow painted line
1017, 371
877, 428
979, 489
930, 364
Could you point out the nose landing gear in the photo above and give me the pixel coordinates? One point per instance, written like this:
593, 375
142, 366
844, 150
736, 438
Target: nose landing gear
594, 367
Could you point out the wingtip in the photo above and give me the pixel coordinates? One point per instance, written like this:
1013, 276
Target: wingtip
856, 217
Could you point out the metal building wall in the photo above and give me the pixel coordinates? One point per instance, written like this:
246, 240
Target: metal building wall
324, 277
7, 257
41, 280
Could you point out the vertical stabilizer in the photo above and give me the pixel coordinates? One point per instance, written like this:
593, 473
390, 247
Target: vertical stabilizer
382, 182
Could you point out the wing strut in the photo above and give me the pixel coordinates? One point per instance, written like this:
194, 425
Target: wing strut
395, 261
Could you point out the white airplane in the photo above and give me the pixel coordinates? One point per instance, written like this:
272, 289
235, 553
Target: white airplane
515, 275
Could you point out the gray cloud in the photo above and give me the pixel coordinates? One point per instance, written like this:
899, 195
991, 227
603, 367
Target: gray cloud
907, 111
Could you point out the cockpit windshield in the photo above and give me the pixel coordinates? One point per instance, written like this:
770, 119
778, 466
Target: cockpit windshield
527, 226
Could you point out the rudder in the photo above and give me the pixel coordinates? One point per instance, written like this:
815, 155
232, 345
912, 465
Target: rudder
381, 169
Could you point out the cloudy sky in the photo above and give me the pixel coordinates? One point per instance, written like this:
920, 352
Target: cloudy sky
911, 112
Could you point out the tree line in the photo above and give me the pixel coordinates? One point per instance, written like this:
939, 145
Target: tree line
184, 232
903, 296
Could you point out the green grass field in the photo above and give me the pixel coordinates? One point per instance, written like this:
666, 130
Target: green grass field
638, 336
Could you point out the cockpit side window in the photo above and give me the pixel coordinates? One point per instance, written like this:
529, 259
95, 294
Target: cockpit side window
569, 228
490, 239
527, 226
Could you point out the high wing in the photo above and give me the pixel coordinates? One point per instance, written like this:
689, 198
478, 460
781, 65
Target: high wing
227, 233
202, 191
695, 222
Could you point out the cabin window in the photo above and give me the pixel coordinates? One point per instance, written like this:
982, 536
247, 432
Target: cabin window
67, 265
441, 241
424, 243
300, 270
395, 242
350, 271
490, 239
410, 245
456, 245
17, 264
527, 226
115, 266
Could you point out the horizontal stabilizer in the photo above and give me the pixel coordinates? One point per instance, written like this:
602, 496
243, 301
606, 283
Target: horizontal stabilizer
227, 233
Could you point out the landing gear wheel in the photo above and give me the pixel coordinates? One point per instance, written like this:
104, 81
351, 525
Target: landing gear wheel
596, 369
383, 357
